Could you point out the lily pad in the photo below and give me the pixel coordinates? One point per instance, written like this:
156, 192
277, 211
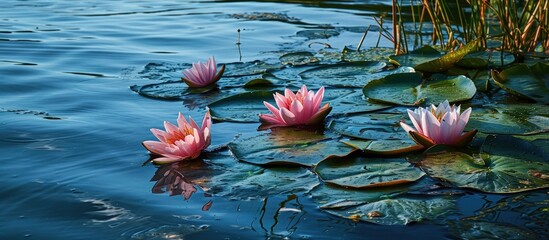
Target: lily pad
330, 196
484, 59
400, 211
416, 57
243, 107
170, 90
360, 172
494, 172
439, 64
467, 229
510, 119
529, 82
369, 126
351, 74
298, 58
409, 89
263, 182
288, 146
239, 69
384, 147
317, 33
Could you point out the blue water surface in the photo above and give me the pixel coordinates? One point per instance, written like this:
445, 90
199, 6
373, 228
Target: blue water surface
72, 160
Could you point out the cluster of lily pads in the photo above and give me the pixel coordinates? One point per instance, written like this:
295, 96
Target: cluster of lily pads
360, 163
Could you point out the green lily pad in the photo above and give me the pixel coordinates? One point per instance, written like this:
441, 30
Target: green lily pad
426, 63
416, 57
298, 58
245, 107
384, 147
510, 119
170, 90
239, 69
494, 172
529, 82
484, 59
219, 174
311, 34
369, 126
288, 146
360, 172
467, 229
399, 211
409, 89
345, 101
350, 74
262, 182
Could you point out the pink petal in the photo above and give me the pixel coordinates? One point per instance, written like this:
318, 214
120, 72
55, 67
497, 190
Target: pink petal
415, 118
159, 148
164, 160
288, 116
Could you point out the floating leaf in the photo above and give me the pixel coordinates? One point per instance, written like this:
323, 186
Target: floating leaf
467, 229
360, 172
529, 82
350, 74
484, 59
239, 69
495, 172
329, 196
243, 107
263, 182
409, 89
510, 119
288, 146
369, 126
384, 147
345, 101
416, 57
448, 60
317, 33
298, 58
400, 211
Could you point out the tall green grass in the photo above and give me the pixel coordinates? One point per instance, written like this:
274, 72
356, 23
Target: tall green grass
521, 26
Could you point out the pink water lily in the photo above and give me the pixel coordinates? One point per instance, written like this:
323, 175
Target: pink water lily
183, 142
201, 75
301, 108
439, 125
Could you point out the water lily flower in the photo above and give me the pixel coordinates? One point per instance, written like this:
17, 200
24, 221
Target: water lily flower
439, 125
301, 108
202, 75
183, 142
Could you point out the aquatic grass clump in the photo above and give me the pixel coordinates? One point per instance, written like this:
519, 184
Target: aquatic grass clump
521, 26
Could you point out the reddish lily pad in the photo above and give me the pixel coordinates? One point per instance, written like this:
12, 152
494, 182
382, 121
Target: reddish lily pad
384, 147
494, 171
529, 82
410, 89
288, 146
360, 172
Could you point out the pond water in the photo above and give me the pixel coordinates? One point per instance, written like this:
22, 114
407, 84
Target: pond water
71, 126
